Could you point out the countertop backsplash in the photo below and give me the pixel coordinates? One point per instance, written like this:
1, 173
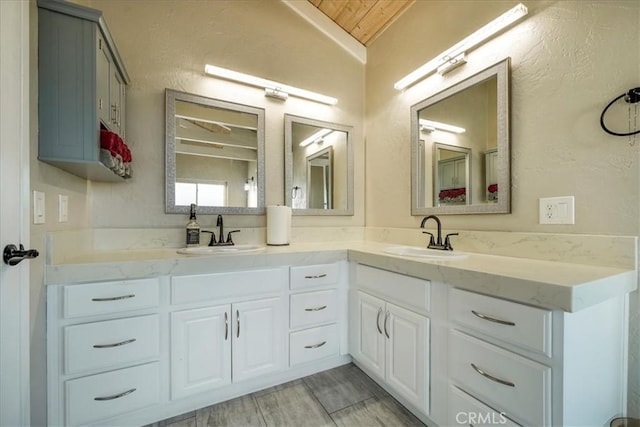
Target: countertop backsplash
610, 251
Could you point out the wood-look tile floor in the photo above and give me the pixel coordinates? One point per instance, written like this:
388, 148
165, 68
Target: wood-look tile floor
343, 396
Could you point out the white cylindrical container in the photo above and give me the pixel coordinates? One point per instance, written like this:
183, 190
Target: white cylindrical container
278, 225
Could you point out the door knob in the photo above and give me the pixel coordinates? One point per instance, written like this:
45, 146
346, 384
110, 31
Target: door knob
13, 255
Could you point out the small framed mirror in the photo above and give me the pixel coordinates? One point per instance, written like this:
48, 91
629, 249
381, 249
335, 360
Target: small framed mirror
214, 155
318, 167
460, 147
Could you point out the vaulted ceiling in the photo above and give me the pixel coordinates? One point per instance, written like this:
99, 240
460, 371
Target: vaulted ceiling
363, 19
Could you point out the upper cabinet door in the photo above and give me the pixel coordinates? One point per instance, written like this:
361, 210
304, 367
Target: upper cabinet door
102, 69
116, 98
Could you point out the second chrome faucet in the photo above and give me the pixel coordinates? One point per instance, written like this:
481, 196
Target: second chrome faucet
435, 242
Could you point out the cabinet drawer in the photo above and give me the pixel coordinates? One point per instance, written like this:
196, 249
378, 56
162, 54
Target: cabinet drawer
210, 287
407, 291
314, 275
110, 343
519, 387
110, 297
313, 344
313, 308
522, 325
464, 410
107, 395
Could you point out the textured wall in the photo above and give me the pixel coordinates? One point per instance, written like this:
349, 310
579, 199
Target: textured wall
568, 59
165, 44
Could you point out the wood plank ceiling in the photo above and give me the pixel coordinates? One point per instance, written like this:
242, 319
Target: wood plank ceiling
363, 19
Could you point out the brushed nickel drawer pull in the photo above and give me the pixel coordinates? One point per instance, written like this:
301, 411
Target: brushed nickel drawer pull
117, 344
319, 276
238, 321
386, 319
115, 396
315, 345
492, 319
113, 298
378, 320
316, 308
226, 326
491, 377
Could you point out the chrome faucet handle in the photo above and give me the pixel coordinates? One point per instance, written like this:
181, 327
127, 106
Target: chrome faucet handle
229, 241
432, 239
447, 241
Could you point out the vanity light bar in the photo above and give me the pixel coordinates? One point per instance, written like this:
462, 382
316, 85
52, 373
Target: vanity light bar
433, 125
316, 137
449, 55
271, 88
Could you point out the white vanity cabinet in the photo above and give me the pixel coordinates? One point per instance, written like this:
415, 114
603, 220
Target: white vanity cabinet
390, 340
215, 344
536, 366
104, 354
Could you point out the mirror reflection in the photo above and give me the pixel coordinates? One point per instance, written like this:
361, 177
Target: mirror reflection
214, 155
460, 152
452, 180
319, 167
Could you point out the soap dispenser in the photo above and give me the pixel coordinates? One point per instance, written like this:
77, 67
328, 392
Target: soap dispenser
193, 228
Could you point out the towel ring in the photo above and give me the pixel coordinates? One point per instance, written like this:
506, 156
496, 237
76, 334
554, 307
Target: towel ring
630, 97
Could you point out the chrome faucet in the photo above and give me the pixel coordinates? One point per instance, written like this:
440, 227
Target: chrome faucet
220, 241
435, 242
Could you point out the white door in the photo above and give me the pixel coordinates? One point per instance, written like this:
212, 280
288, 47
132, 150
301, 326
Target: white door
407, 355
14, 211
370, 340
258, 338
200, 350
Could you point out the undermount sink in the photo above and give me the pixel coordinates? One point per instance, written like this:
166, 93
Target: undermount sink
219, 250
413, 251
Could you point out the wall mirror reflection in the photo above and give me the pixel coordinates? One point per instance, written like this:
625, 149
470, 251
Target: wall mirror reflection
452, 175
460, 147
318, 167
214, 155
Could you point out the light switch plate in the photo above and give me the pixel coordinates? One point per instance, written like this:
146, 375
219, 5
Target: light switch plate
557, 210
38, 207
63, 208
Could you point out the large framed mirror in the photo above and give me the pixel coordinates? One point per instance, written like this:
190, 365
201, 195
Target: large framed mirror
318, 167
214, 155
460, 147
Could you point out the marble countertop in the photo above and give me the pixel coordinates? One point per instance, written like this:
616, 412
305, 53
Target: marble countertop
555, 285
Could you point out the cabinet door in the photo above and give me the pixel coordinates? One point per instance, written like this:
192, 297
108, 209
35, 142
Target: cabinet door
103, 62
407, 354
116, 87
258, 338
200, 350
370, 340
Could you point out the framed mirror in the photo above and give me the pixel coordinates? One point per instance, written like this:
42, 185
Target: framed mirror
460, 147
318, 167
214, 155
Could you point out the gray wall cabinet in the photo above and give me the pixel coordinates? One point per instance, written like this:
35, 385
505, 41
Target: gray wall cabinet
81, 88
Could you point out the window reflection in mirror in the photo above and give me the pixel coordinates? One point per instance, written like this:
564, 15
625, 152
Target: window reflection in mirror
319, 167
460, 152
214, 155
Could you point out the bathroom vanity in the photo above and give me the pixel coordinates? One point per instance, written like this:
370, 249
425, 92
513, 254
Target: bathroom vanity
529, 342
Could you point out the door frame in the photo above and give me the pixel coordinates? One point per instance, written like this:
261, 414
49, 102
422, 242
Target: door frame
14, 215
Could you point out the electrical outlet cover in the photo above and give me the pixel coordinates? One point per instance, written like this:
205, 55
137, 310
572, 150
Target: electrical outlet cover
557, 210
